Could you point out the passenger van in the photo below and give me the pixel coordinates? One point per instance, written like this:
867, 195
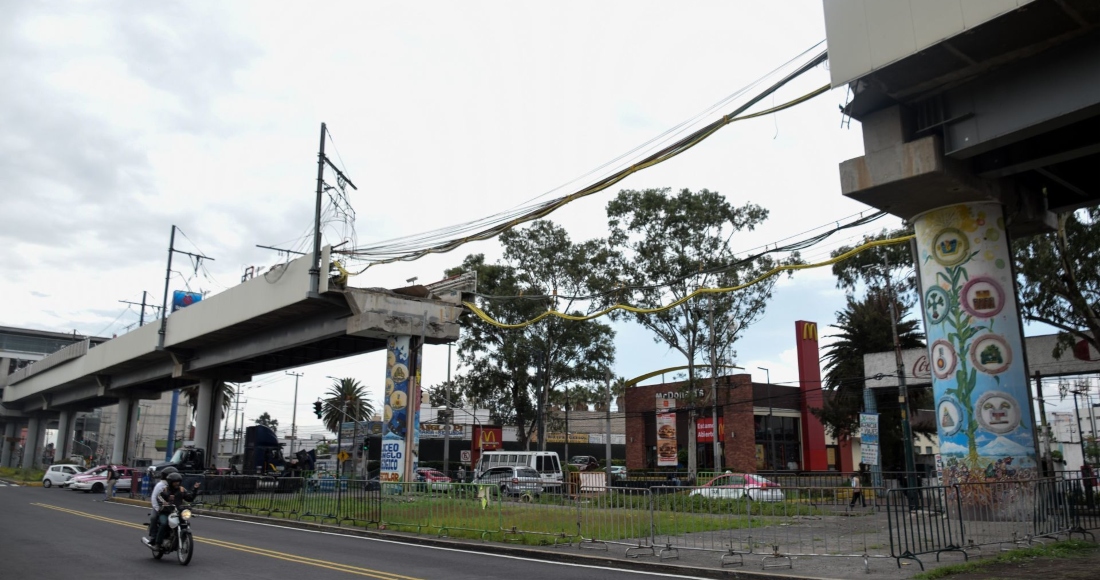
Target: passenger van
546, 463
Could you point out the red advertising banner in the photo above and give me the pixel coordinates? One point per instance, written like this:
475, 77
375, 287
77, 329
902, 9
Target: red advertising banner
704, 431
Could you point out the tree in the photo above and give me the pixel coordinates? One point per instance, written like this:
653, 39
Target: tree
267, 421
191, 394
865, 328
1060, 277
508, 370
345, 400
664, 247
866, 266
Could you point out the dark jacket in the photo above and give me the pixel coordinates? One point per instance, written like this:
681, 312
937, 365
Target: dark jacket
170, 498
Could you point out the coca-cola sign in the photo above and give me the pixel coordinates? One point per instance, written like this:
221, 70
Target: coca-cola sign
921, 368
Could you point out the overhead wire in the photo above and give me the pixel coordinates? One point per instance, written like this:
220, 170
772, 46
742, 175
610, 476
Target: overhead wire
416, 246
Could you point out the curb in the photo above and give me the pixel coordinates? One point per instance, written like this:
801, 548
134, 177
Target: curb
506, 550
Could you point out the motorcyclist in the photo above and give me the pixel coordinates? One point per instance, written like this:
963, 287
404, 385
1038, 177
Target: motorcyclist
154, 499
171, 496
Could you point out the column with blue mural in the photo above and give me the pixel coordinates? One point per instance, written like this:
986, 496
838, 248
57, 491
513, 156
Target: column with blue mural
983, 411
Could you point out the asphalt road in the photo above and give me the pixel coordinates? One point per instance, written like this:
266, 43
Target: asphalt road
52, 533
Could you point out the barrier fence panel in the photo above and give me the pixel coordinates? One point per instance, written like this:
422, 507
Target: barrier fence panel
445, 509
1008, 514
607, 516
701, 519
547, 517
924, 521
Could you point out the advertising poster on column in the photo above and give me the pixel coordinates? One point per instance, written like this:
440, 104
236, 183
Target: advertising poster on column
395, 410
868, 438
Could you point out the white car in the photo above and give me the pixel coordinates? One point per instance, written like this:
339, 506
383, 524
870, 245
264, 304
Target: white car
740, 486
95, 479
60, 474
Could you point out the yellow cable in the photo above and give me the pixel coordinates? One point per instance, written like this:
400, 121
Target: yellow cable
790, 267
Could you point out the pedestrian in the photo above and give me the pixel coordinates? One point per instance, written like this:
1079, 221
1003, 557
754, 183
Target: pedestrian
112, 479
857, 492
462, 474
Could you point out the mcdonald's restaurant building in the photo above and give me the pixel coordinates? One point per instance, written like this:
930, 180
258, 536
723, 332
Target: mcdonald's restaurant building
761, 427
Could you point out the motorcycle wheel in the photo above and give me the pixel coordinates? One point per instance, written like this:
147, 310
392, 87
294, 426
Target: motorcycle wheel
186, 545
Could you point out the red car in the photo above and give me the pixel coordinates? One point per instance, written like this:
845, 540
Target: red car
436, 479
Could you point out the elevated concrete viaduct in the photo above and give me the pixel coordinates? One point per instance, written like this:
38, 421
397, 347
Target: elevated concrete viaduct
269, 323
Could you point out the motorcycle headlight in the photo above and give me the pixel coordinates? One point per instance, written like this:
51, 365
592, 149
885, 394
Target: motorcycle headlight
186, 514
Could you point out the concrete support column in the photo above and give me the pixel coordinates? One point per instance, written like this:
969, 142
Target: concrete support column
64, 437
124, 430
975, 344
30, 446
203, 412
401, 409
7, 445
215, 422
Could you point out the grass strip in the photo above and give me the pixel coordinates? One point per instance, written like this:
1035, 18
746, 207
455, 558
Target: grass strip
1065, 549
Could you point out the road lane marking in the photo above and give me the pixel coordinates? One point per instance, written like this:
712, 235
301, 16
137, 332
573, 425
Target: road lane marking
378, 574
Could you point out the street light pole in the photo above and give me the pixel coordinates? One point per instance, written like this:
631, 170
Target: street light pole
294, 413
716, 444
768, 427
447, 423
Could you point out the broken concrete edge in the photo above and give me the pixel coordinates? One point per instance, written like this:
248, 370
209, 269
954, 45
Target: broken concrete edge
505, 550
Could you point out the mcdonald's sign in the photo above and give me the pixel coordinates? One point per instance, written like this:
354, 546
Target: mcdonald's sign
487, 438
809, 331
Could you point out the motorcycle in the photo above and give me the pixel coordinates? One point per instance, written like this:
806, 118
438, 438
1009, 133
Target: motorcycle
178, 539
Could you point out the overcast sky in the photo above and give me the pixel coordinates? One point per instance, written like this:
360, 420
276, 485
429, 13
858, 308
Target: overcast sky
121, 119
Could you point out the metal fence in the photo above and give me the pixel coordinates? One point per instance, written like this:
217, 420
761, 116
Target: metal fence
769, 527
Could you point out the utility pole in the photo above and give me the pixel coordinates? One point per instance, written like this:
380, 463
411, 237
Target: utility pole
294, 412
315, 265
567, 421
1048, 465
903, 390
1080, 433
167, 281
141, 316
715, 442
447, 423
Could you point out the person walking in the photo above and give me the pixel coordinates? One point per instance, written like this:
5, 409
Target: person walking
112, 479
857, 492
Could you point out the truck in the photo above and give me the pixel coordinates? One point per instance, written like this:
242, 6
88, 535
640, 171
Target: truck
263, 455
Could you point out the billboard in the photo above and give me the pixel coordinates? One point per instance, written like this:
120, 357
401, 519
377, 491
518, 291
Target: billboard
666, 432
182, 299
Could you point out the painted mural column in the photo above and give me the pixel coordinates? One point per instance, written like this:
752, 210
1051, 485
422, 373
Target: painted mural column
983, 411
401, 411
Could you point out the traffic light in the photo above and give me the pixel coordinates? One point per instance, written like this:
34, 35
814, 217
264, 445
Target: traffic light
366, 446
317, 408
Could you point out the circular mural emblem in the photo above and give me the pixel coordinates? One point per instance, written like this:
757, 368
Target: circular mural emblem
950, 247
990, 354
983, 297
944, 359
937, 302
949, 416
998, 412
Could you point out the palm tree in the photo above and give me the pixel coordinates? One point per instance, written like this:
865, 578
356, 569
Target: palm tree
351, 392
864, 328
192, 395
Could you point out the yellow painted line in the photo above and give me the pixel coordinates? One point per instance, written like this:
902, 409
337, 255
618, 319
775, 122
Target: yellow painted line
248, 549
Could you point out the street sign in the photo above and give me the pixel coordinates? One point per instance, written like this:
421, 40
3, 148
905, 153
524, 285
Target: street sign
343, 456
465, 456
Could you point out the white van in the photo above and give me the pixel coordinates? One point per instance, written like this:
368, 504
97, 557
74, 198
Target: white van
546, 463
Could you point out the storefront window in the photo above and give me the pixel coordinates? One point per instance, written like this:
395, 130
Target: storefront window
778, 443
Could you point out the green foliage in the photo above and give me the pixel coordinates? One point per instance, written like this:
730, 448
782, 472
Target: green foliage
867, 267
350, 392
191, 394
21, 475
1060, 277
506, 370
864, 327
267, 421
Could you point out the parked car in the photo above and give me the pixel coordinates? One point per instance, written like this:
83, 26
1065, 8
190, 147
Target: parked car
435, 479
740, 486
95, 479
512, 480
584, 462
616, 473
60, 474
